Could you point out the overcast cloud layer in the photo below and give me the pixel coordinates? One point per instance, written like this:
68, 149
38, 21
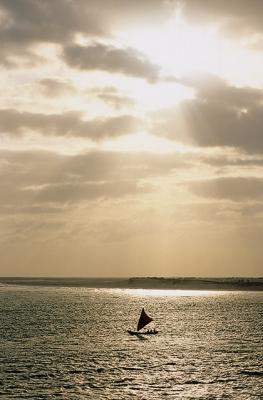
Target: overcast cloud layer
109, 154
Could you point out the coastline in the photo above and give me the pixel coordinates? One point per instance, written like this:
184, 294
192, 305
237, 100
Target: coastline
158, 283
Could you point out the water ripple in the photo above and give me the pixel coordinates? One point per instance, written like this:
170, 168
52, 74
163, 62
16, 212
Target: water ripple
66, 343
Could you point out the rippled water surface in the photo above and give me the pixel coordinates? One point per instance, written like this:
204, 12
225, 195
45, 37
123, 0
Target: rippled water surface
71, 343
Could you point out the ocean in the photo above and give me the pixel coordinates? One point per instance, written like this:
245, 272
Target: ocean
60, 342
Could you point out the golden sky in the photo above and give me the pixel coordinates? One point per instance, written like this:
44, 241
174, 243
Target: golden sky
131, 137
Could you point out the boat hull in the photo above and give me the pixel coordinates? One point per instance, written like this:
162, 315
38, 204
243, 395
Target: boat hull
136, 333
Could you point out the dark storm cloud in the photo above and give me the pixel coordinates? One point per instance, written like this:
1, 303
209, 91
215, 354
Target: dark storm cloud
219, 115
230, 188
69, 124
239, 17
98, 56
30, 179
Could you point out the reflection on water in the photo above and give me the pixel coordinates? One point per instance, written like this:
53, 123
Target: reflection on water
171, 292
71, 343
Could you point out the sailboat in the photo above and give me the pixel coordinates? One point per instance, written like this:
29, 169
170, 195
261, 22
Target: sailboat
142, 322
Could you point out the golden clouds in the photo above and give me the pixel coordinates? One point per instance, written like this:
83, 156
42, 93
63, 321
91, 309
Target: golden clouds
127, 125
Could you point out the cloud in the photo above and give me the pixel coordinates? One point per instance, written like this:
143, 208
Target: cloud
238, 17
25, 23
51, 88
253, 210
98, 56
70, 124
113, 97
214, 89
219, 115
13, 55
29, 21
77, 192
54, 87
58, 21
33, 179
230, 188
29, 168
125, 12
232, 160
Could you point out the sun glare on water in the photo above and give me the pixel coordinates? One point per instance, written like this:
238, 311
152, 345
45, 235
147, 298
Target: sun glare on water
170, 292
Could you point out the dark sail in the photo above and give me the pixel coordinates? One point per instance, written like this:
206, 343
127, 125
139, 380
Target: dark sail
143, 320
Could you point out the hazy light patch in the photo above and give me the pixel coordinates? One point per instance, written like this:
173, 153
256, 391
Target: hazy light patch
176, 46
161, 95
239, 65
83, 80
147, 96
181, 49
50, 53
144, 141
53, 144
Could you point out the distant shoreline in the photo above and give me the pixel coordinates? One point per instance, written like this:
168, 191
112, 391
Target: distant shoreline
217, 284
246, 284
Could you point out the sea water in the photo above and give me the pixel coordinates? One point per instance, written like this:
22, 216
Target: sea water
72, 343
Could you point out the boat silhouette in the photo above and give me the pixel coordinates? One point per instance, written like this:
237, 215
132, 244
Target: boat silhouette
142, 322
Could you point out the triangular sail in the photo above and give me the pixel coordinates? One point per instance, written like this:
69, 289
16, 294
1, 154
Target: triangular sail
143, 320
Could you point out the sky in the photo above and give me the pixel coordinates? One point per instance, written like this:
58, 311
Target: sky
131, 139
